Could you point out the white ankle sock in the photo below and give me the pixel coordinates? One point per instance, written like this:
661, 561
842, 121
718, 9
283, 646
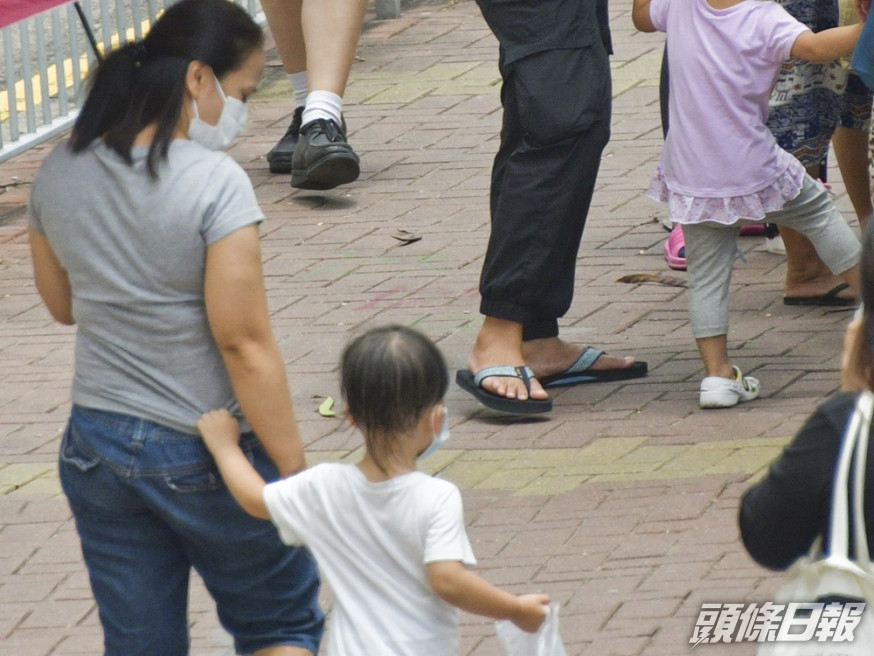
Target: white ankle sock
298, 83
322, 104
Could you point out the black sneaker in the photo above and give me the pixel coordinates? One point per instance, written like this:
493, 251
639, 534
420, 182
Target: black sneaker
323, 159
280, 157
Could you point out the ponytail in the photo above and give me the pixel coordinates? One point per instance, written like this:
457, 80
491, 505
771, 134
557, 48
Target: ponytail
143, 83
103, 110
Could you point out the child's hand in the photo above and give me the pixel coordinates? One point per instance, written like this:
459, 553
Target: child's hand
219, 429
531, 613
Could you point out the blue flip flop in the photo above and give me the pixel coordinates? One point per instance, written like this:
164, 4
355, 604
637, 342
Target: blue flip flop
581, 372
473, 385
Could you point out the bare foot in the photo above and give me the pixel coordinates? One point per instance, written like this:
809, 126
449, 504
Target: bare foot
817, 287
551, 356
499, 343
806, 274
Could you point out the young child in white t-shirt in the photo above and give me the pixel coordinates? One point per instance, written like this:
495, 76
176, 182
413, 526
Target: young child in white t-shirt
390, 540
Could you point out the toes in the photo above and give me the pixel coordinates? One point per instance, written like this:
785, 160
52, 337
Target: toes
509, 388
613, 362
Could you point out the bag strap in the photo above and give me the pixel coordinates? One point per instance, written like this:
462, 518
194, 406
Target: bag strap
855, 436
865, 405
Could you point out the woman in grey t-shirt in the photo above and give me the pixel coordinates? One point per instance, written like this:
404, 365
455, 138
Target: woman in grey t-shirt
145, 235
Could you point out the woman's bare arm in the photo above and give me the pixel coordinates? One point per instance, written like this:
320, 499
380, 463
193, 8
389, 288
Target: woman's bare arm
236, 305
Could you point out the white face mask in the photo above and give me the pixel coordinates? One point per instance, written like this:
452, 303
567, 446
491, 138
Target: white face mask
231, 122
440, 438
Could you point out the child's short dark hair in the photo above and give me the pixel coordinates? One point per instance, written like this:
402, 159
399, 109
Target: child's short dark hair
389, 376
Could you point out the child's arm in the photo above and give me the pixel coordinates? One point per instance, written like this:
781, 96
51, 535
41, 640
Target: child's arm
640, 16
221, 433
826, 45
455, 585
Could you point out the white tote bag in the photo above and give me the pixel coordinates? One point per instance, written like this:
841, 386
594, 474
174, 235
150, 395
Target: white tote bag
820, 578
546, 642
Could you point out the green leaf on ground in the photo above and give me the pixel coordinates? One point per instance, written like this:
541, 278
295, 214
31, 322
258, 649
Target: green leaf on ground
326, 408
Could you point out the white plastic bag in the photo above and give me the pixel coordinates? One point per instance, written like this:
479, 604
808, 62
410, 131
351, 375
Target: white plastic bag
546, 642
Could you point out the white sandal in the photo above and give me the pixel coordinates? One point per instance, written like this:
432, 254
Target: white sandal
718, 392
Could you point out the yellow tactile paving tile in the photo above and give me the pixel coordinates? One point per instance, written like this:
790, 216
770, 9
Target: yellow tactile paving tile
527, 471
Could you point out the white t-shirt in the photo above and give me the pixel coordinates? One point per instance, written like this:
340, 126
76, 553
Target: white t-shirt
372, 542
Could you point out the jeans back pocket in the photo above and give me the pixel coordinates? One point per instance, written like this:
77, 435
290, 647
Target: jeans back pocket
75, 452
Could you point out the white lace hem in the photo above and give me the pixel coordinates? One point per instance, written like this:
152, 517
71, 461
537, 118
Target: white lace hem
685, 209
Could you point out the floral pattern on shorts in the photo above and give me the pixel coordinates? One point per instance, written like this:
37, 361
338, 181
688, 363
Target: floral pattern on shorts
806, 103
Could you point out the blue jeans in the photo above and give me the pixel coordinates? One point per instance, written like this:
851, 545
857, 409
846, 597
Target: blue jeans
149, 505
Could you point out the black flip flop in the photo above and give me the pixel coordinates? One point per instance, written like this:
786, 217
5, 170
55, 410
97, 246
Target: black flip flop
829, 299
473, 385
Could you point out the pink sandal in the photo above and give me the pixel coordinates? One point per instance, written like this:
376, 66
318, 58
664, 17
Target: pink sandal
675, 249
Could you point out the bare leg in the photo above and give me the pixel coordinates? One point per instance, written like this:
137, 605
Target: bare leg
498, 343
806, 274
851, 152
714, 354
551, 356
331, 29
283, 651
723, 387
318, 36
851, 277
284, 19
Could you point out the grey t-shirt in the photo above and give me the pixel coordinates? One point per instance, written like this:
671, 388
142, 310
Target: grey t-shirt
134, 250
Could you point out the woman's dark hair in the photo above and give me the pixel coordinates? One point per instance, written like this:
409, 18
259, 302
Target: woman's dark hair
866, 295
143, 82
389, 377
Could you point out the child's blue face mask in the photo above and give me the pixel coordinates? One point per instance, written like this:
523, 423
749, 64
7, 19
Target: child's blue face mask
439, 438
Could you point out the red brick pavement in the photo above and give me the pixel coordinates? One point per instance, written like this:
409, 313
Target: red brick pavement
629, 548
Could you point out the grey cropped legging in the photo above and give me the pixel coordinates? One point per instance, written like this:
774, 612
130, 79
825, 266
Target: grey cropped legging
711, 250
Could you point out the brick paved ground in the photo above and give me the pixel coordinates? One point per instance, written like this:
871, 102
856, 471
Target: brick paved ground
621, 503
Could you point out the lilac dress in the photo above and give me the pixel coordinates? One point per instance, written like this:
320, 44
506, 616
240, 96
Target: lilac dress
723, 66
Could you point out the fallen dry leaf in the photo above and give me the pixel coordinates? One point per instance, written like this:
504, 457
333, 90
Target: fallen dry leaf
661, 279
406, 236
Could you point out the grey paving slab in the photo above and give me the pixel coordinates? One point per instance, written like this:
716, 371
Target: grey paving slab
621, 503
